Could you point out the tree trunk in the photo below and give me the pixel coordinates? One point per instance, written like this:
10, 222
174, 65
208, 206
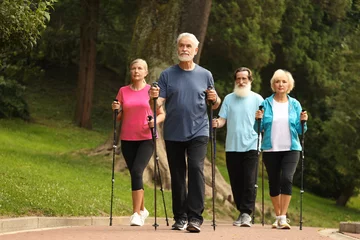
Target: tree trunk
194, 19
87, 64
345, 195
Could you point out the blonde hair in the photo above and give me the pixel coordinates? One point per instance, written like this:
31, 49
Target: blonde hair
139, 60
282, 73
189, 35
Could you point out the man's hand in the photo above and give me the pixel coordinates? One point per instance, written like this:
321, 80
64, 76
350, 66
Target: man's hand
211, 95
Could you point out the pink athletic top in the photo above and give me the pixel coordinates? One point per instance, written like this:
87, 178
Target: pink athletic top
136, 109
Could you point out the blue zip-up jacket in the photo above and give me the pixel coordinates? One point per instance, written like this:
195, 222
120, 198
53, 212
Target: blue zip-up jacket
294, 123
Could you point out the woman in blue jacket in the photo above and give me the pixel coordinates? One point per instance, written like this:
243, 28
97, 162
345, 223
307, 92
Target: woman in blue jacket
281, 123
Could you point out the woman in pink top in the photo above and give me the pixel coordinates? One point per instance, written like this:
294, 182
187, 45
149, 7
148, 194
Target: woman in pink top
136, 139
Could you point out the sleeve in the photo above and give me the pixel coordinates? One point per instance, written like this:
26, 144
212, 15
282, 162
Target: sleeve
224, 108
162, 85
298, 121
211, 80
119, 96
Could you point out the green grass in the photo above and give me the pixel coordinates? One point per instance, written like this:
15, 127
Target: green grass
42, 174
46, 170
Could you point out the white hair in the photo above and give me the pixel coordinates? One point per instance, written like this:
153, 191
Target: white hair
189, 35
280, 73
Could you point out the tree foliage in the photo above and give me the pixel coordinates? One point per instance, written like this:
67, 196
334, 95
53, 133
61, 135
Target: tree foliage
21, 22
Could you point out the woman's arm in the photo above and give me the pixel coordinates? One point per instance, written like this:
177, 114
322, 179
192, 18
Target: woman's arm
160, 115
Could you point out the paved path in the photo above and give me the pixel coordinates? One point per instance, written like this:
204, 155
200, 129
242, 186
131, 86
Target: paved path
163, 232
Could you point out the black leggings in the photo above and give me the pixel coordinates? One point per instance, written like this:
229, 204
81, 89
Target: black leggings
281, 167
137, 155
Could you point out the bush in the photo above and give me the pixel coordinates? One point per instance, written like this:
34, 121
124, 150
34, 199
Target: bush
12, 103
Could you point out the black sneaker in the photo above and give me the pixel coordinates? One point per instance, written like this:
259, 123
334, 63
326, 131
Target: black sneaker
194, 225
179, 225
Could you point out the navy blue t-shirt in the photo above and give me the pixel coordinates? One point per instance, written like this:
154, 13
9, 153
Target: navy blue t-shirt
186, 108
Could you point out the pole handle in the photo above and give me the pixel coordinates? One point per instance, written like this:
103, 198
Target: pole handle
260, 108
303, 121
116, 110
155, 85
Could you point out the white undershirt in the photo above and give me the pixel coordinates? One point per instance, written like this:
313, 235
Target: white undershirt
280, 130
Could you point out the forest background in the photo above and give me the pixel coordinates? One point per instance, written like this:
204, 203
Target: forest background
93, 40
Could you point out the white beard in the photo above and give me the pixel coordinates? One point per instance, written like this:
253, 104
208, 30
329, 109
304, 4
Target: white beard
185, 58
242, 91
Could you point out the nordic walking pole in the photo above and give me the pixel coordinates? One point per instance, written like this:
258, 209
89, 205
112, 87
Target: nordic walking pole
212, 149
262, 175
213, 175
302, 169
155, 225
156, 158
258, 120
113, 164
262, 194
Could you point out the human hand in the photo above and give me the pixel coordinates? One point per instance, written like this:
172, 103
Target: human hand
154, 91
259, 114
211, 95
150, 121
215, 123
303, 116
115, 105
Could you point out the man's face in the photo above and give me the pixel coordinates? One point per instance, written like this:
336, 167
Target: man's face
242, 86
242, 79
186, 49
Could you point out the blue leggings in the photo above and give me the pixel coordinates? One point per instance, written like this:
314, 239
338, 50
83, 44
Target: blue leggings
137, 155
281, 167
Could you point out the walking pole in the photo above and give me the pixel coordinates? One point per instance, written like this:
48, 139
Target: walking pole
156, 158
258, 120
113, 165
262, 194
302, 169
212, 150
213, 176
155, 225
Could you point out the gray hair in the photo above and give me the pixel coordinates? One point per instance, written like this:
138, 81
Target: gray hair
189, 35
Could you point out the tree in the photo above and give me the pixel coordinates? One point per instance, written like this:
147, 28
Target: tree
21, 22
87, 64
342, 149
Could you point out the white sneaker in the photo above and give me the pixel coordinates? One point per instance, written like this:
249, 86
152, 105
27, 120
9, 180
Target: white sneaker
275, 224
136, 220
144, 214
283, 224
245, 220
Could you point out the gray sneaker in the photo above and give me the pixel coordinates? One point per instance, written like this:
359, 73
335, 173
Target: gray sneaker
245, 220
237, 222
179, 225
194, 225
